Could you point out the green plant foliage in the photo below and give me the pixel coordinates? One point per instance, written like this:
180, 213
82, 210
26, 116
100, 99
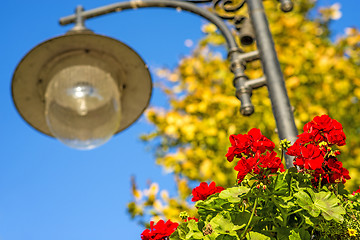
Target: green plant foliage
249, 212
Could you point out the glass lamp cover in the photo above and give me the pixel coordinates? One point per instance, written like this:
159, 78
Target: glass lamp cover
82, 106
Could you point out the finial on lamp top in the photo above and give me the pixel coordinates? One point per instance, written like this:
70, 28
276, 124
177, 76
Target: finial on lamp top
79, 21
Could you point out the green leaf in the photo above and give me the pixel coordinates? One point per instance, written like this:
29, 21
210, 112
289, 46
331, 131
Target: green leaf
325, 203
284, 202
210, 207
282, 233
222, 224
180, 232
288, 233
257, 236
242, 218
194, 232
210, 237
234, 194
187, 231
281, 185
305, 201
329, 205
299, 234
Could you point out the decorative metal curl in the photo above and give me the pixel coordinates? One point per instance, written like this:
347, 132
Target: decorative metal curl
226, 9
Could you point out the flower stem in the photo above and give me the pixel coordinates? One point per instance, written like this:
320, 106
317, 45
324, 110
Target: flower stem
251, 217
319, 182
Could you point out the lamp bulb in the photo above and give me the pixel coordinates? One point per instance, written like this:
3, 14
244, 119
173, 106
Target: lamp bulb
82, 106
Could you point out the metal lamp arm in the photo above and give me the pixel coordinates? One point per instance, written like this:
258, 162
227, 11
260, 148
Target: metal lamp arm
235, 54
186, 6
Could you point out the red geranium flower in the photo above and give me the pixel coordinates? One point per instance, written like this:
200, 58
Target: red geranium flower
337, 172
239, 144
247, 165
309, 156
331, 172
324, 128
259, 164
312, 150
336, 137
160, 231
203, 191
271, 162
259, 142
304, 138
248, 144
294, 150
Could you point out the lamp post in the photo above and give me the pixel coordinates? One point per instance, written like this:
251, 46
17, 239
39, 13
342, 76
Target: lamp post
82, 87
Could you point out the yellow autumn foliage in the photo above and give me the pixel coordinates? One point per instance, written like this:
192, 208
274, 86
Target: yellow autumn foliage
322, 77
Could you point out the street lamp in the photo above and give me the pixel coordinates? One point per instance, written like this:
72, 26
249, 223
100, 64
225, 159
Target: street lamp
82, 88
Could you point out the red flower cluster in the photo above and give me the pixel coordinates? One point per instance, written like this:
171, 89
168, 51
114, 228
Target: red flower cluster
159, 231
312, 150
250, 148
203, 191
324, 129
248, 144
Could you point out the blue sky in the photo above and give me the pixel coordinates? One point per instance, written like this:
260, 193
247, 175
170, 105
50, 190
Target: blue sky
49, 191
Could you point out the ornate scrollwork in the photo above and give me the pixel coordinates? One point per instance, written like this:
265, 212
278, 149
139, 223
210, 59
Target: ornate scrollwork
226, 9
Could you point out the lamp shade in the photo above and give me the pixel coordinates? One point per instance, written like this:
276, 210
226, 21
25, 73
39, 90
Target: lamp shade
98, 75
